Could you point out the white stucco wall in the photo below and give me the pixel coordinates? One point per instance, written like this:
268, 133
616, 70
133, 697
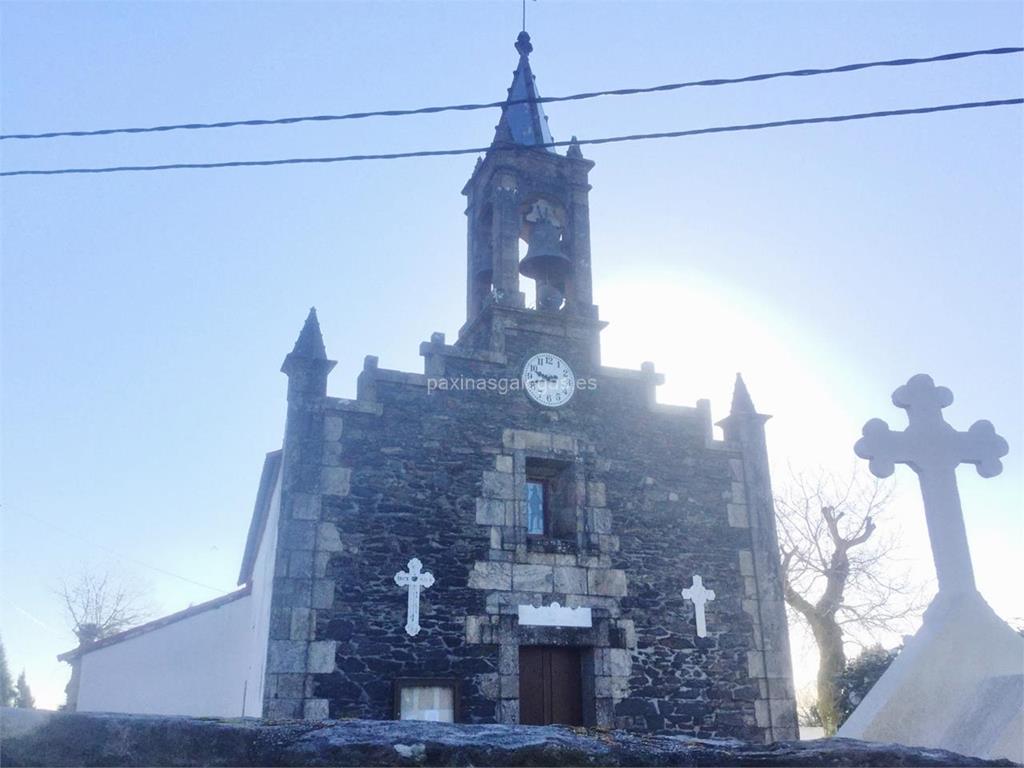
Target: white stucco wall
193, 666
209, 664
259, 619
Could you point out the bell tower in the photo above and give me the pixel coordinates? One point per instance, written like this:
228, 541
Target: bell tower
524, 195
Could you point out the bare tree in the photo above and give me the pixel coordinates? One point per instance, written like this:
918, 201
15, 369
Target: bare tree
98, 605
839, 573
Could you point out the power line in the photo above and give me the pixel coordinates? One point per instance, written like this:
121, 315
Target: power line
496, 104
121, 556
478, 150
31, 616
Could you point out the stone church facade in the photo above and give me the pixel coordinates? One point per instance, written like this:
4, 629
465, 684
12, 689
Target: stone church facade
557, 507
518, 534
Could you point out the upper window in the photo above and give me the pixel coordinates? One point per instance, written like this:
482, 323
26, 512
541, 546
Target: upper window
431, 700
550, 499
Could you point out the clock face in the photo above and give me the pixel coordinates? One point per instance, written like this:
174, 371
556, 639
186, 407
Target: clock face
549, 380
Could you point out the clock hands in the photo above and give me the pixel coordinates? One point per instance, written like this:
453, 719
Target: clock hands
548, 389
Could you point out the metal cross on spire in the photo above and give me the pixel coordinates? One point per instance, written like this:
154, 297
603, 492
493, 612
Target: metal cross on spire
524, 15
933, 449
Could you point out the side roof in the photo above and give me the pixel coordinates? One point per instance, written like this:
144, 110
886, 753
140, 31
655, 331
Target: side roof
163, 621
260, 514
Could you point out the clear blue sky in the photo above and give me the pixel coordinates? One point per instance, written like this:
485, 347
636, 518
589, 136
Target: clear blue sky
145, 316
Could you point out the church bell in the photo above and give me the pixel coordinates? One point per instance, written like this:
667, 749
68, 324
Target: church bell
546, 263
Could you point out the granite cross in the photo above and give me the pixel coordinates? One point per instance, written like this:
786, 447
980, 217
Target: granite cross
933, 449
415, 579
699, 595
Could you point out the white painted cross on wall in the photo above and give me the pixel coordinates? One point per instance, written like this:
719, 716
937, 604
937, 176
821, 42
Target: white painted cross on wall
933, 449
699, 595
415, 579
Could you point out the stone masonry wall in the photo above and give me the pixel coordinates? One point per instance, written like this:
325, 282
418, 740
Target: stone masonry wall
438, 475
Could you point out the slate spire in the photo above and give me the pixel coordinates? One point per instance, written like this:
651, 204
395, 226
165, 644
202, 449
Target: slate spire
523, 124
741, 402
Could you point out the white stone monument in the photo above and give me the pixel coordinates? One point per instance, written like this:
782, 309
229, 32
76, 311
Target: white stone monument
415, 580
699, 596
958, 684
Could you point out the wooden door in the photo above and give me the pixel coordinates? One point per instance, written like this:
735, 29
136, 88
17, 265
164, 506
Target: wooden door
550, 689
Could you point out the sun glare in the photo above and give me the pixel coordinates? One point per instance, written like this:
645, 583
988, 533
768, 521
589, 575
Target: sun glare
700, 333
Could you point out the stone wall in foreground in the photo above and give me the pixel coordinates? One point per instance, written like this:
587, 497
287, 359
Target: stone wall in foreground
32, 738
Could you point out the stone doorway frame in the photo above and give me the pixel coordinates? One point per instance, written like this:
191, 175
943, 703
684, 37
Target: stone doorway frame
599, 658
